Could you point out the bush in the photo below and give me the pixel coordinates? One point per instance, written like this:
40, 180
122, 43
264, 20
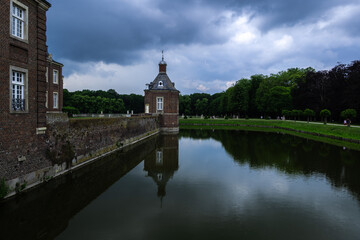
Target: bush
309, 113
286, 113
70, 111
348, 113
325, 113
4, 189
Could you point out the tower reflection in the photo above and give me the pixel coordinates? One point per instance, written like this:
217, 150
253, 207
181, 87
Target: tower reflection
163, 162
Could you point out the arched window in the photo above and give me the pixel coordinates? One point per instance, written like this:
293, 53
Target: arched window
161, 84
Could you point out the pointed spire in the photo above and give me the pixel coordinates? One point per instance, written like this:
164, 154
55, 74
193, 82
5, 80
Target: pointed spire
162, 64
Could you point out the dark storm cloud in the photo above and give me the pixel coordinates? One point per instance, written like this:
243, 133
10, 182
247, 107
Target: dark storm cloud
277, 12
92, 30
116, 31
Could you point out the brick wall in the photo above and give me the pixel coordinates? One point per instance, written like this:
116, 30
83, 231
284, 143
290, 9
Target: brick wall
171, 100
21, 149
54, 87
170, 113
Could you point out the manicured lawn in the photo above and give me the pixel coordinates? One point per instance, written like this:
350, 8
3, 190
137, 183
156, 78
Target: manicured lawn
337, 131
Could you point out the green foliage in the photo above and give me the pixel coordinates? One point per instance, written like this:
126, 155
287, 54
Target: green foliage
70, 110
286, 113
238, 100
296, 114
349, 113
20, 187
325, 113
309, 113
88, 101
4, 188
201, 106
279, 98
329, 130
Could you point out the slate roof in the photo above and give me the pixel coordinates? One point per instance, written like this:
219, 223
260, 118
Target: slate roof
166, 83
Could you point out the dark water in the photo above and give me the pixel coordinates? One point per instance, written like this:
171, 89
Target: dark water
201, 184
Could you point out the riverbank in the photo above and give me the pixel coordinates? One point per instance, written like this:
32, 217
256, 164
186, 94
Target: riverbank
330, 133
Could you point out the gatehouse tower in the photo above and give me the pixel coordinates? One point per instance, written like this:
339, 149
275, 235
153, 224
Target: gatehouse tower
161, 97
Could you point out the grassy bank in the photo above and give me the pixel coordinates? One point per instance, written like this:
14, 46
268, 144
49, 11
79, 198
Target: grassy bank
333, 134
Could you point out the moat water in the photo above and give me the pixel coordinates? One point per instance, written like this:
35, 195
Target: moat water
200, 184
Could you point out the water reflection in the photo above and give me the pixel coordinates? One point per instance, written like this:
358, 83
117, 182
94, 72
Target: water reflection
201, 184
289, 154
44, 212
163, 162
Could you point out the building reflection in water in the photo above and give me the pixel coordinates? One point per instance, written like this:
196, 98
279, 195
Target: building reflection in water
163, 162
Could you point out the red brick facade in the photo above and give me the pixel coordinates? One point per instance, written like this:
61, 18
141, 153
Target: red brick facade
23, 123
54, 86
162, 98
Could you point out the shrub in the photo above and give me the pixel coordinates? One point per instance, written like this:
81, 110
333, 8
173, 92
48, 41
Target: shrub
348, 113
70, 110
4, 189
309, 113
325, 113
286, 113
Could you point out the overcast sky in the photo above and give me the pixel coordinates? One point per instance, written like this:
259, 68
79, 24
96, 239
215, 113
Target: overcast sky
208, 44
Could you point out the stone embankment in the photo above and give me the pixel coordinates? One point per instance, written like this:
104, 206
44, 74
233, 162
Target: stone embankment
72, 143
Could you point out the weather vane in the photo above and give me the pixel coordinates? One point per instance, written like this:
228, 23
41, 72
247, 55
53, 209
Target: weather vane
162, 54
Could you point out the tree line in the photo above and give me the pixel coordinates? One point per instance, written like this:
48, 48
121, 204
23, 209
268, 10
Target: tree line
89, 101
296, 93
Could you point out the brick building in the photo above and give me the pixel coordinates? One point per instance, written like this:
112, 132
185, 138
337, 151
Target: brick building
30, 86
162, 98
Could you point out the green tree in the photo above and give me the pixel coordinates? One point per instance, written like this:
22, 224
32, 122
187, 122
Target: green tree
286, 113
185, 104
239, 97
201, 106
348, 114
215, 106
309, 113
325, 113
279, 98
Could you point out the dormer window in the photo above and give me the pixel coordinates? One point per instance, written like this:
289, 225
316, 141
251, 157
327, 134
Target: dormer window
161, 84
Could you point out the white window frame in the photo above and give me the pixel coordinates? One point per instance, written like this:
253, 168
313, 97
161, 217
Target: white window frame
161, 84
160, 103
18, 86
47, 74
19, 20
55, 76
55, 103
47, 99
147, 108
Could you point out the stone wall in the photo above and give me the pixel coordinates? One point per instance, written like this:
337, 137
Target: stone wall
81, 139
69, 144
